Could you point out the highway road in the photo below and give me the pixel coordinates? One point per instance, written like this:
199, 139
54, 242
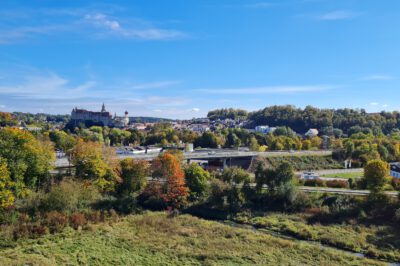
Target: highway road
213, 154
220, 154
343, 191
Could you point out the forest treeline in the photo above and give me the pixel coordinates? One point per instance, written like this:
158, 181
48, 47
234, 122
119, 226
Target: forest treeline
326, 120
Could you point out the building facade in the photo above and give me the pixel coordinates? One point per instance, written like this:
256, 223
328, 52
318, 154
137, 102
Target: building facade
103, 117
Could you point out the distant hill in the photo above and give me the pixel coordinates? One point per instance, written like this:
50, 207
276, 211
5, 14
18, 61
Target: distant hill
145, 119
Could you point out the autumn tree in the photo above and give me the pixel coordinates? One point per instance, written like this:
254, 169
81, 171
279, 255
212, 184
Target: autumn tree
133, 174
375, 174
95, 163
167, 168
6, 186
7, 119
28, 159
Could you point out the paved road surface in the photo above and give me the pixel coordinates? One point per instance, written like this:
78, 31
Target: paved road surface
343, 191
214, 154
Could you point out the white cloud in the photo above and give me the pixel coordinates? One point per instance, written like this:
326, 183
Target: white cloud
196, 110
268, 90
377, 77
102, 20
83, 23
374, 104
338, 15
136, 30
385, 105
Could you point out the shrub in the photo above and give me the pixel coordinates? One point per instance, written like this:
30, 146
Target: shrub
314, 183
337, 184
301, 202
55, 221
69, 197
77, 220
395, 183
151, 197
29, 231
94, 216
217, 196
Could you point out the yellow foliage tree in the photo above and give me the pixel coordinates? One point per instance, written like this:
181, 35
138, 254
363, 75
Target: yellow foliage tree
95, 163
6, 186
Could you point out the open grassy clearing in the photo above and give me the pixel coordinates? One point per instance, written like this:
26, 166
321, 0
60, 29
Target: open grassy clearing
154, 239
375, 241
345, 175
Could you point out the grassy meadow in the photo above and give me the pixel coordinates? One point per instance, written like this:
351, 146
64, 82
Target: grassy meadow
154, 239
373, 240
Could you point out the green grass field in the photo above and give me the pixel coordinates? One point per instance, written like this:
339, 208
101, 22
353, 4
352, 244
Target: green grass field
375, 241
154, 239
345, 175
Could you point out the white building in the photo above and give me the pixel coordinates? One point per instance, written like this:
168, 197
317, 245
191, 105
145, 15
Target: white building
312, 132
264, 129
200, 128
395, 170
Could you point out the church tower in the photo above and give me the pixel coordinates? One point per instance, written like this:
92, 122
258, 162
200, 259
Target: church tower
103, 108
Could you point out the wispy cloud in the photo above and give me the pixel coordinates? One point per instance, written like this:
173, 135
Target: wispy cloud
11, 35
30, 90
101, 20
377, 77
268, 90
374, 104
132, 30
83, 23
338, 15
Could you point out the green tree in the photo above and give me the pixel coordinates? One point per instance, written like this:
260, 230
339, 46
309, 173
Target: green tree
375, 174
197, 181
134, 175
232, 140
253, 143
207, 140
383, 152
238, 187
62, 140
280, 182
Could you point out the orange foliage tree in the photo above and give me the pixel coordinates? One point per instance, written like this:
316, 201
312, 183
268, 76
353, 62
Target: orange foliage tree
167, 168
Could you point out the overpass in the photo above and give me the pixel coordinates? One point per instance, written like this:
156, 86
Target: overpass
224, 155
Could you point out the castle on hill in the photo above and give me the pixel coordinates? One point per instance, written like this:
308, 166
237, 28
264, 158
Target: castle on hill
103, 118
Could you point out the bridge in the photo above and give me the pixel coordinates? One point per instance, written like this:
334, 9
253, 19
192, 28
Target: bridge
225, 154
227, 157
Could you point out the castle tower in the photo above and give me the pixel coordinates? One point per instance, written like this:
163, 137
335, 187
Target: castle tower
126, 118
103, 108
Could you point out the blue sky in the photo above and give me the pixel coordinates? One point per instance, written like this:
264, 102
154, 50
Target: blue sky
181, 58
